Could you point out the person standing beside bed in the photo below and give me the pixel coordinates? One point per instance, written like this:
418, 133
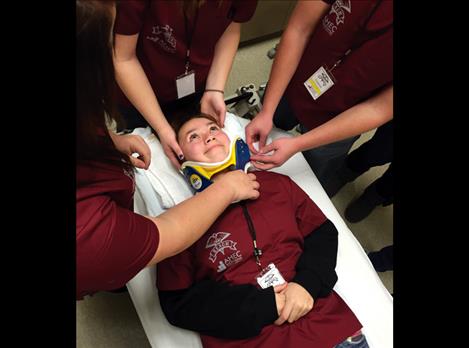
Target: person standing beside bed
170, 53
333, 75
112, 242
223, 287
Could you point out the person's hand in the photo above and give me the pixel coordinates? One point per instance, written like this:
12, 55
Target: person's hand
298, 302
242, 185
170, 146
258, 130
280, 297
130, 144
283, 149
213, 103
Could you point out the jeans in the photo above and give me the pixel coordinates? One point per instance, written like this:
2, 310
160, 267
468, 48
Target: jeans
359, 342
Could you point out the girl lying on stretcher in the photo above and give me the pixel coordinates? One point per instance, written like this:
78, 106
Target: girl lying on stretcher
263, 274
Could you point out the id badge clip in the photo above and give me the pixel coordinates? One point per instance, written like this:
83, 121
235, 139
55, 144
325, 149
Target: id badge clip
185, 84
270, 276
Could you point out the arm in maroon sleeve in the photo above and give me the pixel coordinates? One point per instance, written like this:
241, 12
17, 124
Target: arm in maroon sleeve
113, 244
129, 16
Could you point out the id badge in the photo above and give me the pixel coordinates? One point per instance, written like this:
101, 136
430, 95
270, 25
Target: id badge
270, 276
318, 83
185, 84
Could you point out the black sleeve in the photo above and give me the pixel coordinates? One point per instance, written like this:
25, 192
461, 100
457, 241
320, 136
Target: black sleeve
315, 269
220, 309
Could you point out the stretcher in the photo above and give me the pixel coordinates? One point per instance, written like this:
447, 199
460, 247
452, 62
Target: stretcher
358, 283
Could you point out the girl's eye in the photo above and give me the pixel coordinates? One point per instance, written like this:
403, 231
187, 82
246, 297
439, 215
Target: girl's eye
213, 129
193, 137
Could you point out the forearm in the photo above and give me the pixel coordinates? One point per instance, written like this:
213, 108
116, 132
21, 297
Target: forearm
133, 81
315, 269
358, 119
224, 54
301, 26
197, 308
185, 223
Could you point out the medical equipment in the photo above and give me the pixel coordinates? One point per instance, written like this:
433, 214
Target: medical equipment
246, 102
198, 174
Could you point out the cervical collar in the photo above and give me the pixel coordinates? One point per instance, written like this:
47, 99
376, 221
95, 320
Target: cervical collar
199, 173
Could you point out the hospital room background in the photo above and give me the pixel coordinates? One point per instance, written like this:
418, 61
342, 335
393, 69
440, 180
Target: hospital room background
110, 319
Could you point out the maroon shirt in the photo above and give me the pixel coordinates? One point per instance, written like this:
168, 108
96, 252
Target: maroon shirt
113, 243
366, 70
282, 216
162, 41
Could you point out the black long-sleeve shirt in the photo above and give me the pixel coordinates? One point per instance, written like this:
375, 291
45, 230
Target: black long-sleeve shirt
196, 308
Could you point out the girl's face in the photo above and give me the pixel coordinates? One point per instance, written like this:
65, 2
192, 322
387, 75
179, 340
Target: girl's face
202, 140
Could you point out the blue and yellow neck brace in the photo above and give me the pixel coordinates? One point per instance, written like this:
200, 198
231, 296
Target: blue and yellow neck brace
199, 173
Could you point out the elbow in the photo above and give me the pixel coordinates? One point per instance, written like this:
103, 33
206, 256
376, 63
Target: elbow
168, 308
328, 285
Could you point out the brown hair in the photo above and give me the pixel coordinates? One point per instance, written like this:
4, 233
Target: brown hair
95, 83
180, 121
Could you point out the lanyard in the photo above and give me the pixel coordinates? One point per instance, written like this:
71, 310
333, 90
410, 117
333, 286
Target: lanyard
362, 29
252, 232
190, 35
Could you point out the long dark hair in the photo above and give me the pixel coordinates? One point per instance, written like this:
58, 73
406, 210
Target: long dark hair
95, 83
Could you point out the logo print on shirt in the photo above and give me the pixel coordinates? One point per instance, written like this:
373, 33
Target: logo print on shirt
221, 267
337, 8
218, 244
164, 37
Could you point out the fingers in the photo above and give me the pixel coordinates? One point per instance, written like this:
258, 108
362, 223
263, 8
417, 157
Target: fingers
255, 185
255, 195
262, 140
295, 314
244, 186
267, 148
250, 139
262, 165
177, 150
214, 104
280, 288
252, 176
222, 115
283, 317
174, 161
145, 154
172, 157
145, 159
221, 119
138, 163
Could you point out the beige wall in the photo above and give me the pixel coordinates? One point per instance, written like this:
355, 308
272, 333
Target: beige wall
271, 17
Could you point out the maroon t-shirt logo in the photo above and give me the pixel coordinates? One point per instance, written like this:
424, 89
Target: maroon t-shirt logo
163, 35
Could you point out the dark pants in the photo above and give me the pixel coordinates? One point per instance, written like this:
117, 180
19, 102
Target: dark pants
375, 152
324, 160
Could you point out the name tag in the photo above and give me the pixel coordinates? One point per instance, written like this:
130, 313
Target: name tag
318, 83
185, 84
270, 276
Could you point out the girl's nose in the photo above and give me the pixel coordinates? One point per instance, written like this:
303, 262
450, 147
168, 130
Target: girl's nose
209, 139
